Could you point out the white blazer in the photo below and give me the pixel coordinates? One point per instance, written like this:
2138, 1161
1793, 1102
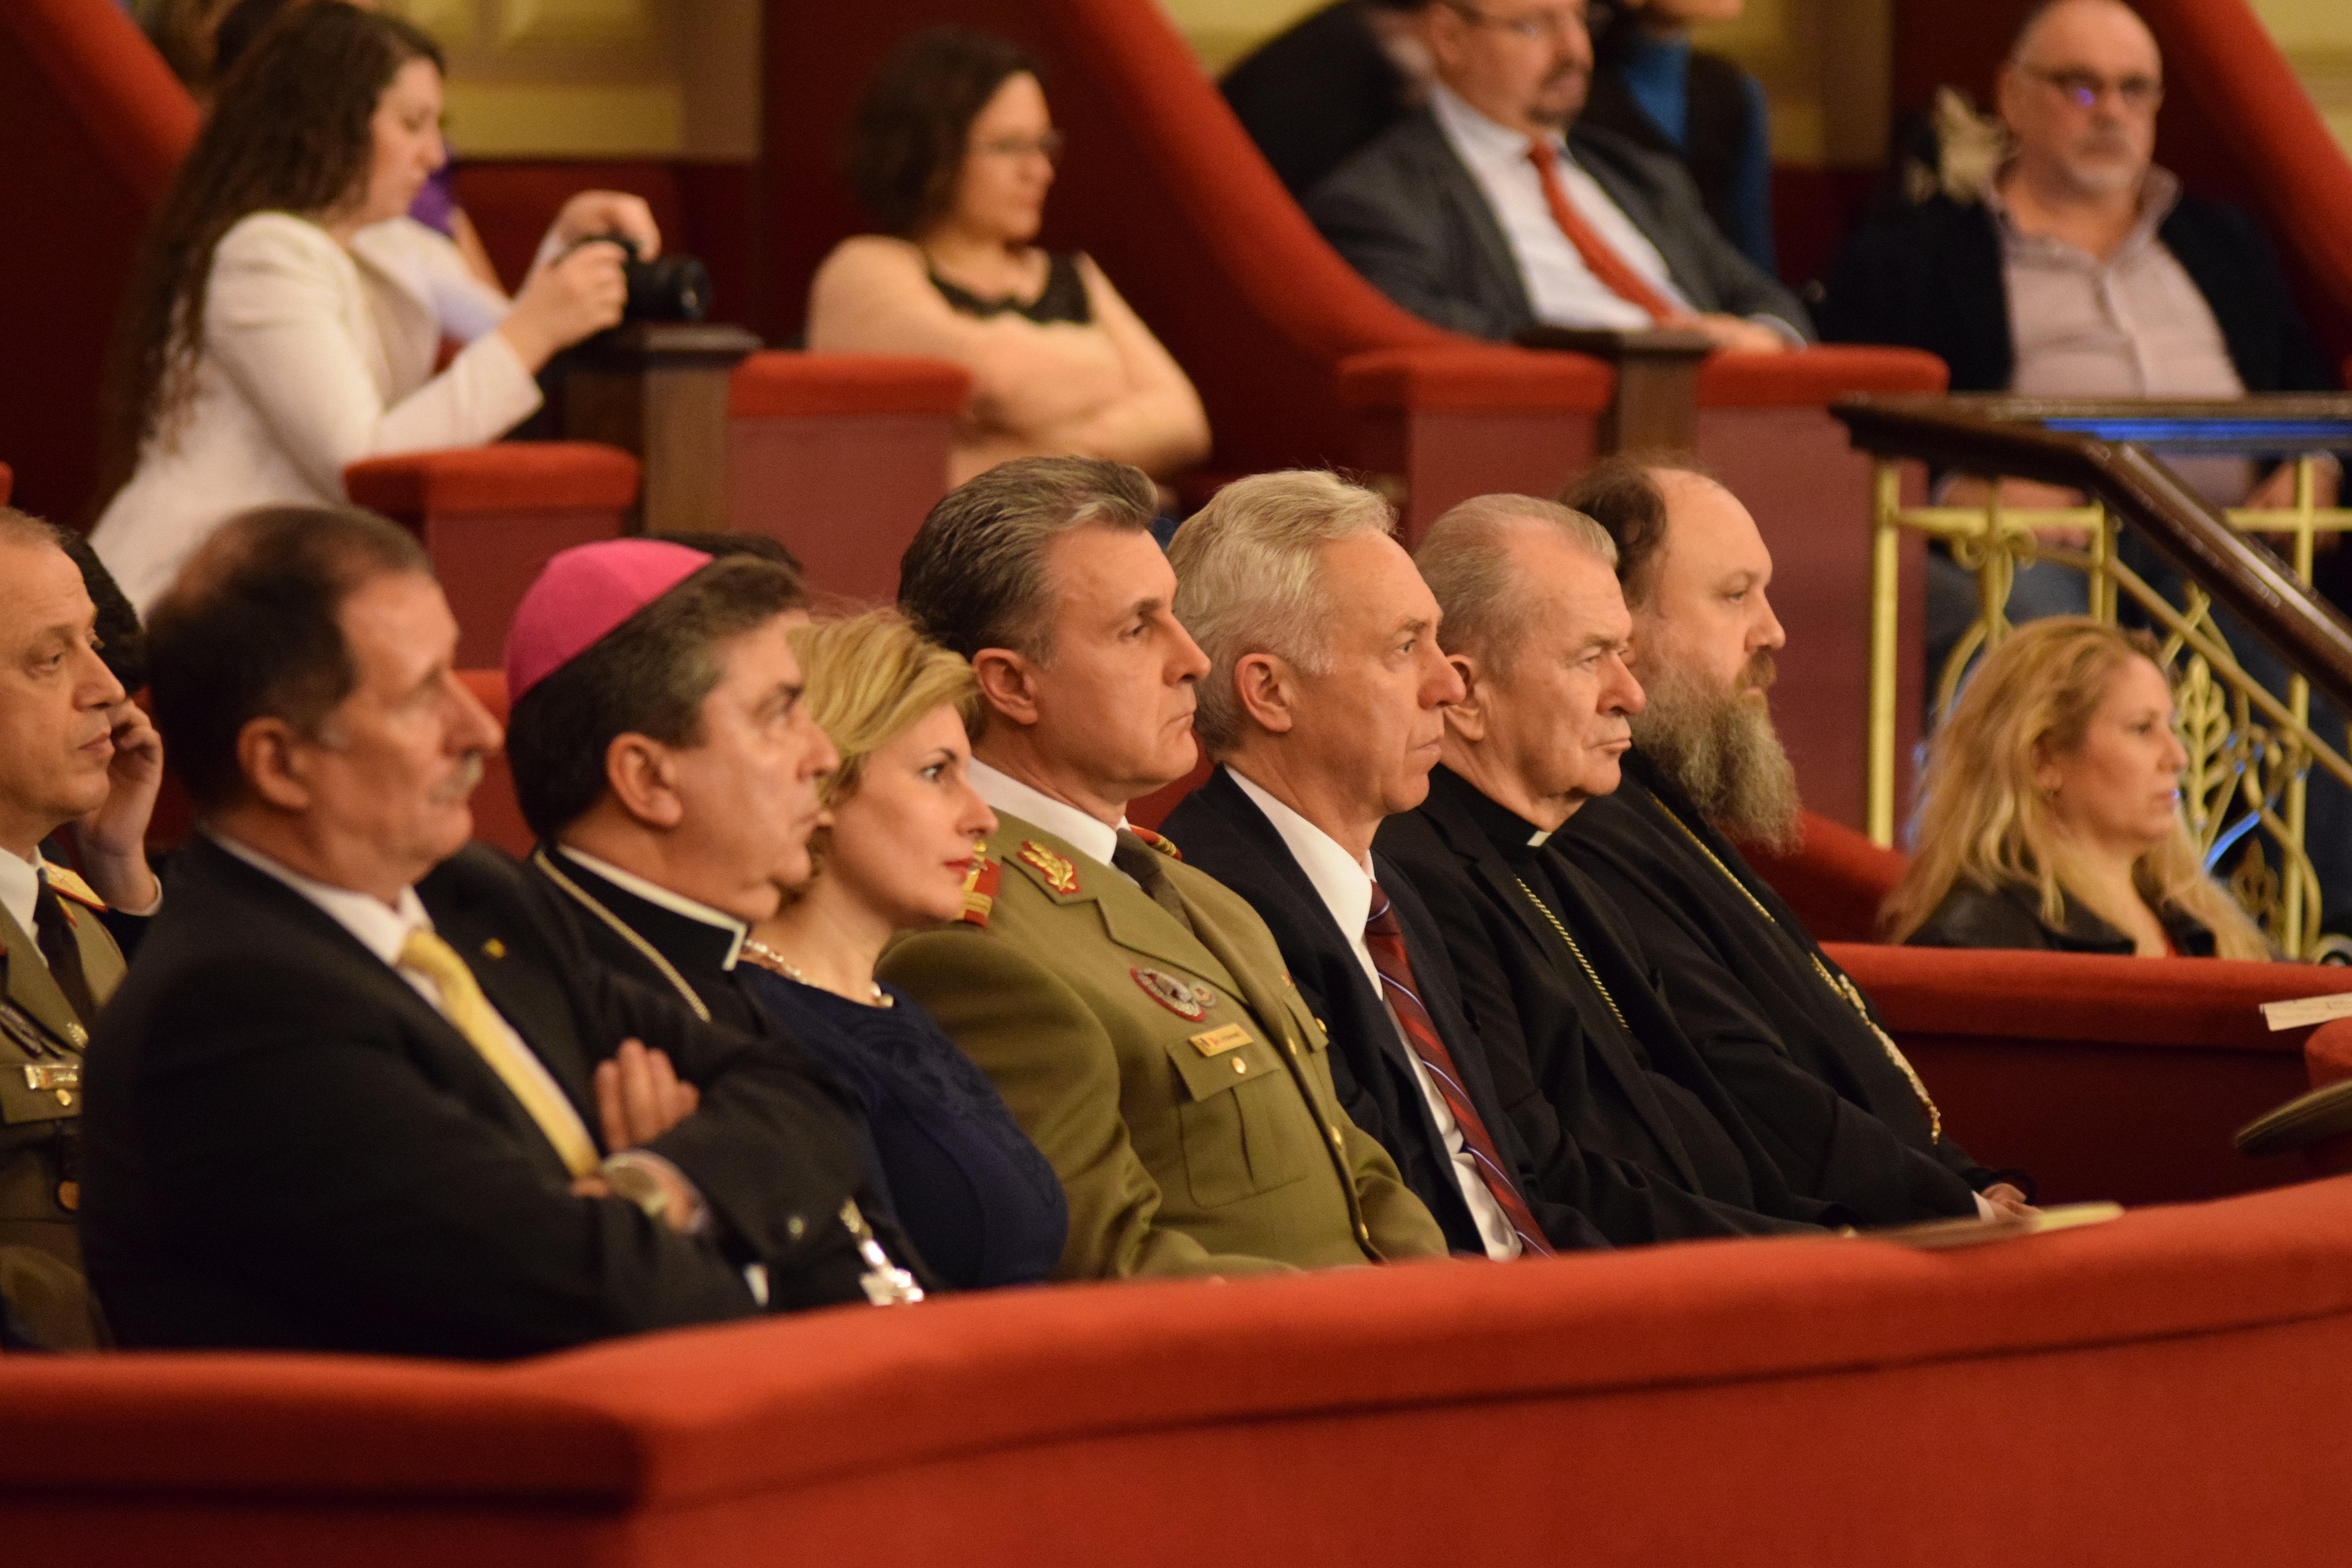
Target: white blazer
313, 358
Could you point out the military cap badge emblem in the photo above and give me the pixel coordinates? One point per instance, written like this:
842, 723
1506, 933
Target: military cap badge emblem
1189, 1000
1060, 874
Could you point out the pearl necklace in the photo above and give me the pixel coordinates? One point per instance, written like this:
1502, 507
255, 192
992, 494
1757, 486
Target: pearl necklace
768, 958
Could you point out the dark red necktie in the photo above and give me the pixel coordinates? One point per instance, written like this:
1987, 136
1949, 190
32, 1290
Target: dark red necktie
1601, 258
1385, 939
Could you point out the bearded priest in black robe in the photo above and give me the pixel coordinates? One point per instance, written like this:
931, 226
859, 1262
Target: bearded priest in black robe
1820, 1077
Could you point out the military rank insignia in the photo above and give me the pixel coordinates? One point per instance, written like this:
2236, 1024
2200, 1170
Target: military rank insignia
67, 885
1189, 1000
980, 888
1059, 873
1157, 842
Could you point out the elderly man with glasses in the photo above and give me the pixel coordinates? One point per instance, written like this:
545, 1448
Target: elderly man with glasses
2080, 269
1493, 210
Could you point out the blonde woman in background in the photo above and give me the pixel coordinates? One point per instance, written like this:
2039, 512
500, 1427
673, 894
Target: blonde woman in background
982, 1204
2050, 815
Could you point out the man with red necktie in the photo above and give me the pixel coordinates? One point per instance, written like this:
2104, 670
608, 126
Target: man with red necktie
1491, 210
1322, 709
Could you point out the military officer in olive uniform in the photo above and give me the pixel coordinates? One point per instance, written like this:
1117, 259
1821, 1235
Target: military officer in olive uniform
72, 748
1134, 1014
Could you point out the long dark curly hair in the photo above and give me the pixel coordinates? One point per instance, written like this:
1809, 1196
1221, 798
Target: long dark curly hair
291, 131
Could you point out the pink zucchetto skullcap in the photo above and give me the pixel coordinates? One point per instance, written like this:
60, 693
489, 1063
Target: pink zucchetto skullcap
583, 592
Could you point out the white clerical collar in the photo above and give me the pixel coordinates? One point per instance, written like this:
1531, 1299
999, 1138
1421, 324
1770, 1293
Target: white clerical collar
382, 928
1467, 127
1092, 836
660, 897
20, 886
1343, 882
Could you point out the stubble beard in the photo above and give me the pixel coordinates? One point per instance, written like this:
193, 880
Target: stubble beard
1720, 749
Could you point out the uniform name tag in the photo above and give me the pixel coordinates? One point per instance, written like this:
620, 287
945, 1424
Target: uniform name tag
65, 1075
1216, 1042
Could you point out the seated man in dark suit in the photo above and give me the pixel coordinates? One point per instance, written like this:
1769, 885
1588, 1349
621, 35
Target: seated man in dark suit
1492, 211
1624, 1118
1789, 1035
1134, 1013
367, 1089
73, 748
1328, 83
1321, 708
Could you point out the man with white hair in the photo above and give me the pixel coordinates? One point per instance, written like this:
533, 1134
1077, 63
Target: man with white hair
1793, 1040
1322, 708
1629, 1124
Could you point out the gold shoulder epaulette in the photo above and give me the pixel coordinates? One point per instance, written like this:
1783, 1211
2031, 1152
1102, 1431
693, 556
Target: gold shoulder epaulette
1157, 842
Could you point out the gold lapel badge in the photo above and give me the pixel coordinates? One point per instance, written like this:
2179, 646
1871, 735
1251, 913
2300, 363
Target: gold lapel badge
1216, 1042
1059, 873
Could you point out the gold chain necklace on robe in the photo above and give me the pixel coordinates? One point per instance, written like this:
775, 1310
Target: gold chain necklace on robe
1840, 984
1582, 961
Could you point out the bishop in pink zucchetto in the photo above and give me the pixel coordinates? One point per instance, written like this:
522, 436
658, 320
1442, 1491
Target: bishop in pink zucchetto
583, 592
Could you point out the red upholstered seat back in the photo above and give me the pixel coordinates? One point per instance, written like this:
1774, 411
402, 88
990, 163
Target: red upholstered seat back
91, 125
1159, 182
1835, 878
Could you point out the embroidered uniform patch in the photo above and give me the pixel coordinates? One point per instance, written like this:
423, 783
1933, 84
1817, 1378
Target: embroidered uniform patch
1187, 999
1060, 874
980, 888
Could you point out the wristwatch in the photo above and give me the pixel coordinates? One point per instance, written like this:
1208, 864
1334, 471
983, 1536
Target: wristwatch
630, 1180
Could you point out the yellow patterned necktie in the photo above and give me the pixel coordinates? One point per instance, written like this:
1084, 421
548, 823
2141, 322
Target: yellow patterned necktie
470, 1012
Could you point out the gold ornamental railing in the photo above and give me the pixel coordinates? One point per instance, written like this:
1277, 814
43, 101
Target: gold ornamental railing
2252, 745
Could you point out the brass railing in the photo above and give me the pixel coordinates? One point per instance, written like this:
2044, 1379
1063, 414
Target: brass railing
2251, 748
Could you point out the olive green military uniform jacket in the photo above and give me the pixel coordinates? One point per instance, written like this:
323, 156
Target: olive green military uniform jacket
41, 1115
1174, 1078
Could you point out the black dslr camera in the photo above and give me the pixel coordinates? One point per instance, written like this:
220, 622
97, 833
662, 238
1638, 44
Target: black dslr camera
667, 289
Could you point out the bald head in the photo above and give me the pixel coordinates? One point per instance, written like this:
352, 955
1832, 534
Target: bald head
2079, 93
1485, 562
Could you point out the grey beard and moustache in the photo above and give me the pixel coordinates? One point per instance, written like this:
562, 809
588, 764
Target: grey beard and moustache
1720, 748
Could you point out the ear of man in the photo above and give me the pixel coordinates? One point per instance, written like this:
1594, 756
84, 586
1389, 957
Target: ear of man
1008, 684
271, 756
638, 773
1267, 689
1466, 715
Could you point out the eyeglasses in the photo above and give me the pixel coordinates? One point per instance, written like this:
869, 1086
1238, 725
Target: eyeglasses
1047, 145
1536, 26
2083, 89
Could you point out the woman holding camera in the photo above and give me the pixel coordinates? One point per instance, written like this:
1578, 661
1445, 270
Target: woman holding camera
953, 151
285, 316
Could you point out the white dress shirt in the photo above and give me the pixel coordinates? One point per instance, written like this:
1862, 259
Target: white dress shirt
1561, 288
1345, 885
20, 888
1097, 839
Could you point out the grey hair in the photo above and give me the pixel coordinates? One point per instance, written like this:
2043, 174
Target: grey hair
1249, 579
25, 530
974, 575
1481, 592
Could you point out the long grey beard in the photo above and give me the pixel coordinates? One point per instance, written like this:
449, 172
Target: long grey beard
1721, 748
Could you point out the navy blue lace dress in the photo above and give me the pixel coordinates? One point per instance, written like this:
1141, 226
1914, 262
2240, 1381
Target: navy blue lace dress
980, 1201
